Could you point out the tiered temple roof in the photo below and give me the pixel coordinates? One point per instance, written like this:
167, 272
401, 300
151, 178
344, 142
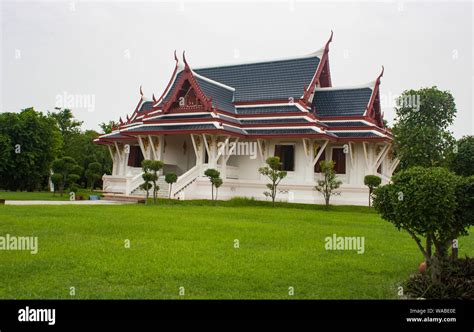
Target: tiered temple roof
277, 98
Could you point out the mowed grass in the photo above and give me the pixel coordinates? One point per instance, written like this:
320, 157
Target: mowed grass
191, 245
41, 195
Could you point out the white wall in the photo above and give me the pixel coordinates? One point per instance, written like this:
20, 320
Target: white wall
295, 187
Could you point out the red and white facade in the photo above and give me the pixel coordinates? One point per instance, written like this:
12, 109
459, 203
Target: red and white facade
234, 117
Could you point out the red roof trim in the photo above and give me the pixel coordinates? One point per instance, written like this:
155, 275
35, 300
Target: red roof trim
375, 96
187, 76
171, 80
324, 60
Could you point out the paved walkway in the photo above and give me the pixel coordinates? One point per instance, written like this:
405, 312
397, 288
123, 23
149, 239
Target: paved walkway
102, 202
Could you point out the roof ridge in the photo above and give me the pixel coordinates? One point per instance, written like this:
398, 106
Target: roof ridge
317, 54
204, 78
369, 85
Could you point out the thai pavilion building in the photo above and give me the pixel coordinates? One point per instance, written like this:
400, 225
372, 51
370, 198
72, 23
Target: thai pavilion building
233, 117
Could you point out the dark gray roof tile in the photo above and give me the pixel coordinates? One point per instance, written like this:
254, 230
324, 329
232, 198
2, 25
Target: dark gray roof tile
269, 121
281, 131
343, 102
146, 106
234, 130
187, 116
281, 79
346, 124
222, 98
269, 109
355, 134
170, 127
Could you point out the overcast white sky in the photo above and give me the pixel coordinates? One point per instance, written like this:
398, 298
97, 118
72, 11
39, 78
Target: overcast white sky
105, 50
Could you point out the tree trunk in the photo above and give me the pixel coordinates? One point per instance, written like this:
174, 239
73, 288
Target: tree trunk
171, 187
454, 251
438, 262
429, 244
436, 269
274, 194
454, 254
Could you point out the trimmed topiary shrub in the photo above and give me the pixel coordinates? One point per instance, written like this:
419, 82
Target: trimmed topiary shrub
372, 181
423, 202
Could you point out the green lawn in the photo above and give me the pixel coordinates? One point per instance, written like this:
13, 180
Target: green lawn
191, 245
41, 195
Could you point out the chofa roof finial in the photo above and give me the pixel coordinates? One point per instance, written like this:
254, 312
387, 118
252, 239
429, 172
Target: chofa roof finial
326, 48
186, 65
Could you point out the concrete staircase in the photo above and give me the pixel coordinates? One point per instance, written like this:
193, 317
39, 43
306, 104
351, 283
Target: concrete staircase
162, 192
123, 198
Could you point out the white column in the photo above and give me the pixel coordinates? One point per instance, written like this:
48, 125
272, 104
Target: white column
160, 148
114, 161
211, 148
308, 149
367, 158
124, 160
198, 150
142, 147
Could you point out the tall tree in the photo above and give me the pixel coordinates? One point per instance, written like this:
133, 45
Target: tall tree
93, 173
66, 122
108, 127
421, 135
84, 151
66, 173
33, 141
462, 161
80, 144
6, 147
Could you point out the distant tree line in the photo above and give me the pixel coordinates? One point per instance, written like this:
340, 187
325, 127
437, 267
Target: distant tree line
33, 145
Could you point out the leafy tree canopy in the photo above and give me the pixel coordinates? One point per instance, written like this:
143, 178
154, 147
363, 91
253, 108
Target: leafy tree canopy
329, 183
107, 128
30, 142
421, 135
462, 161
430, 203
274, 174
